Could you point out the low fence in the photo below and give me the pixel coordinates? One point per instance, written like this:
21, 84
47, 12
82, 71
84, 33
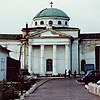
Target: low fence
94, 88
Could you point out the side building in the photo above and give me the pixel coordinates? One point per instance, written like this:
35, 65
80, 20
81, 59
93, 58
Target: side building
90, 50
10, 47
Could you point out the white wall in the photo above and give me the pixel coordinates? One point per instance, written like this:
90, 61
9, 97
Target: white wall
75, 56
50, 41
61, 59
87, 52
36, 60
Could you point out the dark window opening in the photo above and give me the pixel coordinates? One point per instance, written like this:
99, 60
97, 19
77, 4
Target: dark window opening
65, 22
59, 22
50, 23
42, 23
35, 23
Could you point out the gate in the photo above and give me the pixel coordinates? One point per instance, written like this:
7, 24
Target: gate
13, 67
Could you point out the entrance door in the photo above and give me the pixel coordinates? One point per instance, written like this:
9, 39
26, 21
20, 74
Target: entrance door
49, 65
97, 56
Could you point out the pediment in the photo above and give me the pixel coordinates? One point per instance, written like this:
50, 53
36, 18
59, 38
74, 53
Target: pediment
50, 34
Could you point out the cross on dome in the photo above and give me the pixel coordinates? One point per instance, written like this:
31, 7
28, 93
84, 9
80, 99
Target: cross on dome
51, 3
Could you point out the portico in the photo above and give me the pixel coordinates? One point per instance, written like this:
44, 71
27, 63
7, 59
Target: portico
48, 61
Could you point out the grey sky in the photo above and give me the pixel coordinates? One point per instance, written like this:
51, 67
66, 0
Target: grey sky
84, 14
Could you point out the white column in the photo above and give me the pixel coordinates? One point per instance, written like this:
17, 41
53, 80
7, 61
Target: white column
67, 57
42, 71
54, 60
22, 60
30, 59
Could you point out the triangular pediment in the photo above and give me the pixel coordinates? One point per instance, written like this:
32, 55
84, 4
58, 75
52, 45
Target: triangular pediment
50, 33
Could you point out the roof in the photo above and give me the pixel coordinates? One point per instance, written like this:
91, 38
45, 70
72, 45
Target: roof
33, 29
56, 34
65, 28
90, 36
11, 36
51, 12
44, 28
4, 49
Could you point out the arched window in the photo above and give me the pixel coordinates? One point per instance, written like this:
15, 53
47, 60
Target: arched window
65, 22
41, 22
83, 62
50, 22
59, 22
35, 23
49, 65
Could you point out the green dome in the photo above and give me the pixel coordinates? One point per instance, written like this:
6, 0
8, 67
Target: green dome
51, 12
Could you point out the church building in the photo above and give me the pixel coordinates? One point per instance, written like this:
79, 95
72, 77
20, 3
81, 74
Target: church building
52, 45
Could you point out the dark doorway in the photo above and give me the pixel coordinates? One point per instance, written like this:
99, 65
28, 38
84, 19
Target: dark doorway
49, 65
83, 62
13, 67
97, 57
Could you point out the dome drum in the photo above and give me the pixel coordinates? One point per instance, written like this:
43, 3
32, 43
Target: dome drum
56, 22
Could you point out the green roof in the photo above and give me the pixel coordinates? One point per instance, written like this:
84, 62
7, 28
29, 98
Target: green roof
51, 12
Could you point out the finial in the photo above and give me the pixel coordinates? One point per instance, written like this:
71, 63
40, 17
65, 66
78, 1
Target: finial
51, 3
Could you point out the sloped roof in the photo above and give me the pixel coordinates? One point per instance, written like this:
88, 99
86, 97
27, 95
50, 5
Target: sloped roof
11, 36
57, 34
61, 34
65, 28
4, 49
90, 36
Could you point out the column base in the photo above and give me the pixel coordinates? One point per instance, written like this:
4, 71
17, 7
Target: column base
54, 73
42, 74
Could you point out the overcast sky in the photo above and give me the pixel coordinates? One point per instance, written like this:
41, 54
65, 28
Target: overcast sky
84, 14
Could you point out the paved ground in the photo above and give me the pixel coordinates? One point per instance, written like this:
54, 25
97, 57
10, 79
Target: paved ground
62, 89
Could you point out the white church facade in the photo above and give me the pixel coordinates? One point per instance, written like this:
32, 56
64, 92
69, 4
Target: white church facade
50, 46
